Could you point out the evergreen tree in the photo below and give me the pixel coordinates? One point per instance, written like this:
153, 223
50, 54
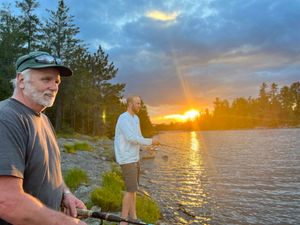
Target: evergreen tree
263, 104
221, 114
286, 101
30, 25
145, 123
11, 46
102, 71
59, 39
295, 92
275, 107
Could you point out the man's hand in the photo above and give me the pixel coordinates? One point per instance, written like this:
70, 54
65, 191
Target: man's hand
70, 203
155, 141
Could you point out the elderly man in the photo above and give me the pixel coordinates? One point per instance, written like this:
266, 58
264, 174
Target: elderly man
32, 189
128, 139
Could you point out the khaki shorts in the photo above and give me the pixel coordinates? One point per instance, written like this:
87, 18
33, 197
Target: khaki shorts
131, 173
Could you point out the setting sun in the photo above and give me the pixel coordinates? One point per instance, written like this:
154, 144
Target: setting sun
189, 115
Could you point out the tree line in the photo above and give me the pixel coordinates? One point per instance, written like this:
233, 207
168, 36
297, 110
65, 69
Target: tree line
273, 108
88, 102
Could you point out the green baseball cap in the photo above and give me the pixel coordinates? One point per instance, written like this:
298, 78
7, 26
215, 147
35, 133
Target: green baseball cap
39, 59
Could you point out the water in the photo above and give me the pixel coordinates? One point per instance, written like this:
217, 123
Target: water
227, 177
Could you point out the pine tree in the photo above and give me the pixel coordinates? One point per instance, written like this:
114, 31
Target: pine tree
30, 25
59, 33
11, 46
105, 93
145, 123
295, 91
59, 39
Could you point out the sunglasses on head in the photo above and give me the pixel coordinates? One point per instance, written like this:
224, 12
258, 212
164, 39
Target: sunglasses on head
45, 59
48, 59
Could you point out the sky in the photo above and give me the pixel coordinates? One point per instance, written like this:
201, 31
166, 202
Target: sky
182, 54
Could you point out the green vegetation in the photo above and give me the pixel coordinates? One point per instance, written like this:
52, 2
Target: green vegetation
75, 177
147, 209
109, 197
114, 181
83, 146
69, 147
77, 146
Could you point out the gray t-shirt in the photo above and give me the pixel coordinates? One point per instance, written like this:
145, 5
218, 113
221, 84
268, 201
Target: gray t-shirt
29, 150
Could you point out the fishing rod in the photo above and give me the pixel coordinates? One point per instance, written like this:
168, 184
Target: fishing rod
106, 216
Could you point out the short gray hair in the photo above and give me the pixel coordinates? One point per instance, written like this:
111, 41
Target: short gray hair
26, 73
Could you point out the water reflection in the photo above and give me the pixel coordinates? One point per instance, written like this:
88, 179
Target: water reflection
194, 141
217, 177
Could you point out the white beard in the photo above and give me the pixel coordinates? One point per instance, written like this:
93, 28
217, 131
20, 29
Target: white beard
45, 99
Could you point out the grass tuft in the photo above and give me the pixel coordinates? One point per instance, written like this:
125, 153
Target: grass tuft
77, 146
69, 147
147, 209
83, 146
75, 177
109, 197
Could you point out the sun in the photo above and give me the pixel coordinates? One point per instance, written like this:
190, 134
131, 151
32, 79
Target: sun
191, 115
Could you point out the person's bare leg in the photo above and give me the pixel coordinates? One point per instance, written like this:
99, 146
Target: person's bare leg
126, 205
132, 210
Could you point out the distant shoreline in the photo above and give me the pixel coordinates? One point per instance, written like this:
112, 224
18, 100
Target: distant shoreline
256, 128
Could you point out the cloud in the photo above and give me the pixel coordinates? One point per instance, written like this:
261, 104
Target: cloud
175, 53
162, 16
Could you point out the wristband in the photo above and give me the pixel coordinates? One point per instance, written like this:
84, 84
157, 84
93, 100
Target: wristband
66, 192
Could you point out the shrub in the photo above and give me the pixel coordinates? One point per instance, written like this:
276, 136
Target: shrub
107, 199
69, 147
116, 169
83, 146
75, 177
113, 181
147, 209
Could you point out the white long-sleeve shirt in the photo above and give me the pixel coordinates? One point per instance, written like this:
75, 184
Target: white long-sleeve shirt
128, 138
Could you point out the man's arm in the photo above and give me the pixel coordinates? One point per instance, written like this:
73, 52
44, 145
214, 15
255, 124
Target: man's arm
20, 208
131, 136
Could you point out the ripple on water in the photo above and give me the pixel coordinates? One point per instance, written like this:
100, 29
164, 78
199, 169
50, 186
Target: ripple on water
227, 177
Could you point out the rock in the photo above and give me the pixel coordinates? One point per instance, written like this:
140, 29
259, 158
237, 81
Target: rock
165, 157
90, 161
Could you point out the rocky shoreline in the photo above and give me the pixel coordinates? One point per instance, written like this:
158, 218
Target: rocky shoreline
95, 163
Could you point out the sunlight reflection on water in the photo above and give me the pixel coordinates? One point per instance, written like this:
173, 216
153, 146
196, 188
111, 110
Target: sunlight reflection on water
227, 177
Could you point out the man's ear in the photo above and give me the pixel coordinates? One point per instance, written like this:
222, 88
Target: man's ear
20, 80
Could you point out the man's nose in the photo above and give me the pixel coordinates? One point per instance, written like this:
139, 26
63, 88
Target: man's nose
54, 86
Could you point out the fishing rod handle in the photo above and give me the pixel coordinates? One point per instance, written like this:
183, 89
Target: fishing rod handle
84, 213
105, 216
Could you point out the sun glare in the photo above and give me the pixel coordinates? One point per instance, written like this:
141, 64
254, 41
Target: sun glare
192, 114
189, 115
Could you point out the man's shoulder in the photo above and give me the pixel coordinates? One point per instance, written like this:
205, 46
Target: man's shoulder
12, 110
6, 107
123, 116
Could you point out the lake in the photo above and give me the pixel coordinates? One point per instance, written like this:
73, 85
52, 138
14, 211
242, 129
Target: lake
226, 177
